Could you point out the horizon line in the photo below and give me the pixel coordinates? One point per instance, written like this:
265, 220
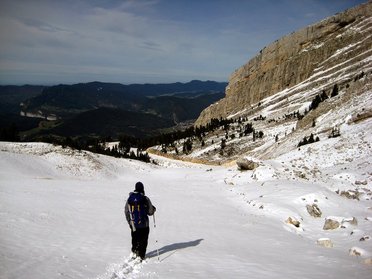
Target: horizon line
97, 81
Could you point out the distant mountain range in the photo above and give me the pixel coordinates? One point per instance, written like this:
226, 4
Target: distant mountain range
105, 109
11, 96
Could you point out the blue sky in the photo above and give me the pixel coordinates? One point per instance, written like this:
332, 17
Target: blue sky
137, 41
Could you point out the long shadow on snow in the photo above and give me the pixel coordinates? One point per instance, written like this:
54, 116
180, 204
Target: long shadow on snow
173, 247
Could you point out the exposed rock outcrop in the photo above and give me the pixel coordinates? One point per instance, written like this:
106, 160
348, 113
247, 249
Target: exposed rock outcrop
246, 164
333, 49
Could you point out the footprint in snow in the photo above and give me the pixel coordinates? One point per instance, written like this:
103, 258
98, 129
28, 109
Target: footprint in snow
130, 266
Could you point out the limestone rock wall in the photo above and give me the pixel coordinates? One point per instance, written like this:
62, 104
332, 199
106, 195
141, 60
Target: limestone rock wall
340, 41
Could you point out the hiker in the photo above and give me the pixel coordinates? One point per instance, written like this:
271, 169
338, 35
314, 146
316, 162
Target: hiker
137, 209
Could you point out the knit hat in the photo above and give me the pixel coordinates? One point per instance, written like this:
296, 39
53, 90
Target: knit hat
139, 188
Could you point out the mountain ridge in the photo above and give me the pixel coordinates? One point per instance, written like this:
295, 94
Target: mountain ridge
64, 107
337, 47
317, 102
62, 100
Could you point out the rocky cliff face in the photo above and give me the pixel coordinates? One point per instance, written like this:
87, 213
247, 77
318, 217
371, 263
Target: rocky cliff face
334, 49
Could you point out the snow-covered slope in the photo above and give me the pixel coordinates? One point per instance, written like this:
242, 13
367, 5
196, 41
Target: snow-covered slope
61, 214
284, 119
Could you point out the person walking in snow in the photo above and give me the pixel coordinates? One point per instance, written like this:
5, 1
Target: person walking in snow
137, 209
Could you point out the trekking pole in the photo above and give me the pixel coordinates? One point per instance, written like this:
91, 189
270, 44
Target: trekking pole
156, 239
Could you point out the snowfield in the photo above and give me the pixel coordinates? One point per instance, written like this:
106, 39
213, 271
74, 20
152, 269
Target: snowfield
61, 214
302, 213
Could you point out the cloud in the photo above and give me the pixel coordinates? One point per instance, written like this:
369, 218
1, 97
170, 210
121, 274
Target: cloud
126, 36
41, 26
149, 39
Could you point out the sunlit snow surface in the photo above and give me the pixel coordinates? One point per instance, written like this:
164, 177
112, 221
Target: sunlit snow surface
61, 214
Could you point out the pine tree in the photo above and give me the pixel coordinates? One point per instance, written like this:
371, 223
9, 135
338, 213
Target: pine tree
334, 90
248, 129
311, 139
223, 143
315, 103
324, 96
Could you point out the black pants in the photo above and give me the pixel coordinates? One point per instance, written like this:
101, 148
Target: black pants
139, 241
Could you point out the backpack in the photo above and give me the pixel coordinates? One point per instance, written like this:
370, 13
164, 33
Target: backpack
137, 204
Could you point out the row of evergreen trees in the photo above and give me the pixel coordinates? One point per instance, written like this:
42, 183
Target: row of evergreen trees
189, 135
98, 145
314, 104
133, 148
128, 147
308, 140
317, 100
9, 133
241, 129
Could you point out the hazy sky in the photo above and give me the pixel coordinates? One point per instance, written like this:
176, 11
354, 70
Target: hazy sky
137, 41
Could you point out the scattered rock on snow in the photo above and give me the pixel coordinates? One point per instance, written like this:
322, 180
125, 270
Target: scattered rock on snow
358, 182
246, 164
325, 242
364, 238
350, 194
331, 224
356, 251
293, 222
314, 210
